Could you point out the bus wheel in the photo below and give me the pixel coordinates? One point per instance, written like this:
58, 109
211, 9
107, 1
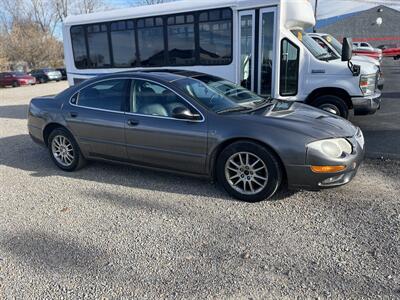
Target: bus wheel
332, 104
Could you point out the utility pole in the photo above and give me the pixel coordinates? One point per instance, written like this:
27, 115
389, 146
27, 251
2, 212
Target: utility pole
315, 15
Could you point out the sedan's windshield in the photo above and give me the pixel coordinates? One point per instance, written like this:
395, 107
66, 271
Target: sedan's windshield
311, 45
218, 95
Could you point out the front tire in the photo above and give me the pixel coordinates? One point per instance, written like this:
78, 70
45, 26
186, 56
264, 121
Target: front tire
15, 84
332, 104
65, 151
249, 172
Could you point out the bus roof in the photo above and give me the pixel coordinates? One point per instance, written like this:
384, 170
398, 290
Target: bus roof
163, 9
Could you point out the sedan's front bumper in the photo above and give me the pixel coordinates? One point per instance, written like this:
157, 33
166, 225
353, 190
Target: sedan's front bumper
302, 177
367, 105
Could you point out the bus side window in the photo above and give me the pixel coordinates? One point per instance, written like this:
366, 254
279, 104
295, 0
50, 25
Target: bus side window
123, 44
151, 42
181, 40
289, 68
79, 47
215, 29
99, 52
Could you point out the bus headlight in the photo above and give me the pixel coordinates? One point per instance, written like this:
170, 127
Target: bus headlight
368, 84
332, 148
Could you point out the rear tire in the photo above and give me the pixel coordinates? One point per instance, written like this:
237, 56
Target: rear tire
249, 171
64, 150
15, 84
332, 104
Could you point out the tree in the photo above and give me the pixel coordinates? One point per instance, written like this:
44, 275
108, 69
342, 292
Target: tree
27, 43
27, 29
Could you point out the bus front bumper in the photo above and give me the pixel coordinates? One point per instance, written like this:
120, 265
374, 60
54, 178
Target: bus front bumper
367, 105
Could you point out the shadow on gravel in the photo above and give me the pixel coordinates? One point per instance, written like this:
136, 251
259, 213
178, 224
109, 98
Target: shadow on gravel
45, 252
22, 153
14, 112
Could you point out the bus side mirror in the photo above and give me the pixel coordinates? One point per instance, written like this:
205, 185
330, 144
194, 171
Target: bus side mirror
347, 49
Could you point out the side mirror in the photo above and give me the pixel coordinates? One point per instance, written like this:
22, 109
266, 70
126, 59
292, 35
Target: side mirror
347, 49
183, 113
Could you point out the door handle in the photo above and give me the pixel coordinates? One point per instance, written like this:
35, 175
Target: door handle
73, 114
133, 123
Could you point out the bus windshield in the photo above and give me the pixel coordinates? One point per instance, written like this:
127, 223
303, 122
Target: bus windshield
334, 42
311, 45
220, 96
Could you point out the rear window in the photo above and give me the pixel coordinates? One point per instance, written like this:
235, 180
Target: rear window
107, 95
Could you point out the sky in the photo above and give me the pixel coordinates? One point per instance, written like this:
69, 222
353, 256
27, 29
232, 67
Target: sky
326, 8
332, 8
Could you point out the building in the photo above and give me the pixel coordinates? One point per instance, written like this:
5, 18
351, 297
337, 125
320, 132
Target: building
365, 26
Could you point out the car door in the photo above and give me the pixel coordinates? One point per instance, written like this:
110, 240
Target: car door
96, 116
8, 79
155, 138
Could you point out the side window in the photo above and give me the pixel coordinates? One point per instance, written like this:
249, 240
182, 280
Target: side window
151, 42
108, 95
79, 47
364, 45
289, 68
98, 46
152, 99
123, 44
215, 29
181, 41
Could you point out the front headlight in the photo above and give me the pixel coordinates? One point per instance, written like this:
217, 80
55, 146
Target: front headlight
368, 84
333, 148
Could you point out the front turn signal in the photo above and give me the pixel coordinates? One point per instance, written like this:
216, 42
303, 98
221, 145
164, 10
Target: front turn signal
327, 169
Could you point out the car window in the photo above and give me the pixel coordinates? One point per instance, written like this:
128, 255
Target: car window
108, 95
364, 45
152, 99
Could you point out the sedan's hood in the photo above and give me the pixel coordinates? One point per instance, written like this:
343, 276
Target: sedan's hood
308, 120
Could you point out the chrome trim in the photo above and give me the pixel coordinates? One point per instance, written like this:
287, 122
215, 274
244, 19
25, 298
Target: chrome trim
131, 113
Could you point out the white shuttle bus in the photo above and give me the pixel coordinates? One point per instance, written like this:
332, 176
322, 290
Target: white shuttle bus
260, 44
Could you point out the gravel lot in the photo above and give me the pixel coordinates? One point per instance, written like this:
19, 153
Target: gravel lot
118, 232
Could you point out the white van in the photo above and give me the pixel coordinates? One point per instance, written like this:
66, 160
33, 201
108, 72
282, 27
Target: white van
260, 44
334, 47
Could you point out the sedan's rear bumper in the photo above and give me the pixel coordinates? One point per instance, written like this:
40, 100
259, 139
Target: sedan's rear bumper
36, 134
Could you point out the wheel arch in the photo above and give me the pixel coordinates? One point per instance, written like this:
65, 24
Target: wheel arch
328, 91
217, 151
49, 128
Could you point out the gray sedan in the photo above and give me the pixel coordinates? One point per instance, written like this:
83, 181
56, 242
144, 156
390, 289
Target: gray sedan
193, 123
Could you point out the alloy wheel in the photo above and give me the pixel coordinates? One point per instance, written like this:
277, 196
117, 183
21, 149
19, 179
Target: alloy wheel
246, 173
63, 150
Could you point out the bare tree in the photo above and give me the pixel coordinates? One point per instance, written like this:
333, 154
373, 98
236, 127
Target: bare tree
27, 43
27, 29
42, 13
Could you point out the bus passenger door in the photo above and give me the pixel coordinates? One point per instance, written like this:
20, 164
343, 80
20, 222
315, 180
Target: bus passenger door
257, 31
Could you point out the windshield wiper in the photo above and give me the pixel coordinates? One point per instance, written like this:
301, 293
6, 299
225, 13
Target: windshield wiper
233, 109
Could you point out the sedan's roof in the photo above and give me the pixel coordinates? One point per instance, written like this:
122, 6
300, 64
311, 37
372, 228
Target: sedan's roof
169, 75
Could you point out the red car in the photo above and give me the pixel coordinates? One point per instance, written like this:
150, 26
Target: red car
15, 79
391, 51
365, 49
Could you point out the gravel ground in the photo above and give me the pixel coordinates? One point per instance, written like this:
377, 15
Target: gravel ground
118, 232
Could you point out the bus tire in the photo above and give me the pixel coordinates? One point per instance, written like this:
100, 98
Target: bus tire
332, 104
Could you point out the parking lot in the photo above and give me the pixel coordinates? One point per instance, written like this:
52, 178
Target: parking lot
112, 231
